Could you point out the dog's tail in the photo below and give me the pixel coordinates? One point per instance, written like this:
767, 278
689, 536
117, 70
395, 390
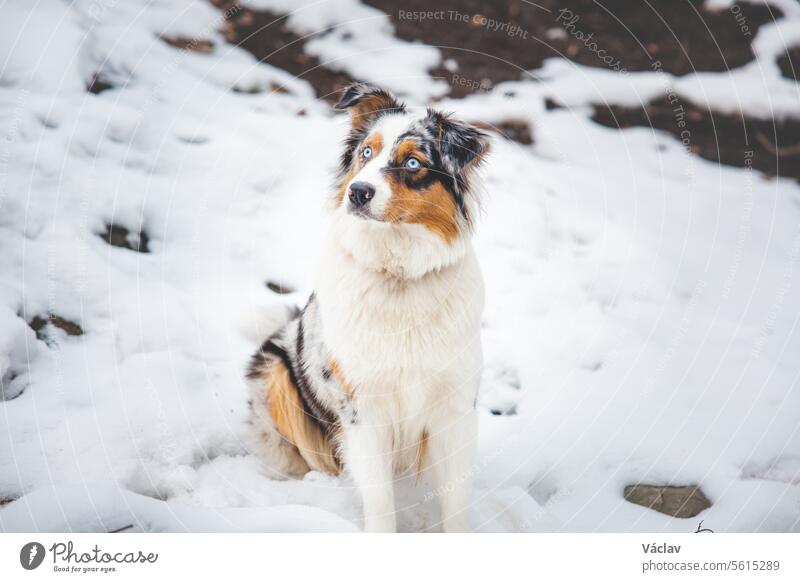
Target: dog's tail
262, 321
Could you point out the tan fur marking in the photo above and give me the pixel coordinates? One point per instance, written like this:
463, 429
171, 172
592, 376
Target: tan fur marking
363, 113
336, 369
375, 142
422, 450
407, 149
289, 416
343, 188
433, 207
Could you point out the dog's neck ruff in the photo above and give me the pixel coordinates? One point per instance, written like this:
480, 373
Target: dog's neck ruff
397, 251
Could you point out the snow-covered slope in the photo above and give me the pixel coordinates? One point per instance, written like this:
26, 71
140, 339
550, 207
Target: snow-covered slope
642, 312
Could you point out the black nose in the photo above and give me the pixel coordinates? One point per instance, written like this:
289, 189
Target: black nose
361, 193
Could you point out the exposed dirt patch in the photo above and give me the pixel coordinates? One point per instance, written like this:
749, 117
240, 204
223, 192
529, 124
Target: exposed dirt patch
514, 130
510, 411
98, 85
771, 146
39, 324
265, 35
255, 90
498, 41
6, 501
487, 43
195, 45
790, 64
119, 236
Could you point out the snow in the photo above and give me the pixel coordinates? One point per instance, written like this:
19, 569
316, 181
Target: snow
641, 320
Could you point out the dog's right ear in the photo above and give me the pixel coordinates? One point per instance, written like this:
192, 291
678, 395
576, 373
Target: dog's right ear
367, 102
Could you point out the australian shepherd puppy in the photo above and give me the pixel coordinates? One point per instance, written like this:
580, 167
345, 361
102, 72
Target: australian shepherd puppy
378, 374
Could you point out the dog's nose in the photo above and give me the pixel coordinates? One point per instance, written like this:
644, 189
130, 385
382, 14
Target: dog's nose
361, 193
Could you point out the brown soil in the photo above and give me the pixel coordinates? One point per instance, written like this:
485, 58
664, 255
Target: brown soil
675, 37
790, 64
195, 45
514, 130
266, 36
683, 36
726, 139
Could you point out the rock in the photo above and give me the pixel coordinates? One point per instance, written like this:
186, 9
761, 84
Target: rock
119, 236
684, 501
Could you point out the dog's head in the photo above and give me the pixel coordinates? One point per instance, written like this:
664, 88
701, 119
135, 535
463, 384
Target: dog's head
404, 171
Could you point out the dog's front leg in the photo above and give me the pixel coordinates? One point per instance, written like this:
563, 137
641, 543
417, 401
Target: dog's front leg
368, 456
452, 447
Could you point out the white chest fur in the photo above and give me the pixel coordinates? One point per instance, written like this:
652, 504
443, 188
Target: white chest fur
402, 341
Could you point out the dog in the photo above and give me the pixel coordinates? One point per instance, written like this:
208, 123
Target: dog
379, 372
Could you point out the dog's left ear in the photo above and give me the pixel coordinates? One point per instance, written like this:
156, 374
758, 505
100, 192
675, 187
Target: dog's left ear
462, 146
366, 102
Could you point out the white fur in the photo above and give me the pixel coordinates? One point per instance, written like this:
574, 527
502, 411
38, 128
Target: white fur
400, 312
390, 127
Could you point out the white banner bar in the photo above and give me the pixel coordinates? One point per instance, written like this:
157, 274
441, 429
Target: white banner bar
386, 558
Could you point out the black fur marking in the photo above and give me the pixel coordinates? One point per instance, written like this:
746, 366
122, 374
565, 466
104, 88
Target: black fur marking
458, 145
261, 359
270, 351
351, 143
311, 404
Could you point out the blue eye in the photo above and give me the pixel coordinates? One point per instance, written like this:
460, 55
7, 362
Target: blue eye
412, 164
367, 152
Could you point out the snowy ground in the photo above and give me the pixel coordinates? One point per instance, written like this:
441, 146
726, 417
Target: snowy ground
642, 303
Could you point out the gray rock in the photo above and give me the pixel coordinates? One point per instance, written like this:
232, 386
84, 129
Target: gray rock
684, 501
